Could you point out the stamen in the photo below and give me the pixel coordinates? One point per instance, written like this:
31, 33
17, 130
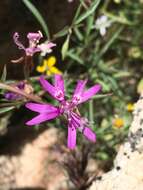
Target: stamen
76, 99
40, 33
69, 119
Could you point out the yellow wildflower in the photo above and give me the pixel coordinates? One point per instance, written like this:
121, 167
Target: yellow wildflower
118, 122
48, 66
130, 107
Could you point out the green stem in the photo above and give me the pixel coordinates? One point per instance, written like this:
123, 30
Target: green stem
91, 111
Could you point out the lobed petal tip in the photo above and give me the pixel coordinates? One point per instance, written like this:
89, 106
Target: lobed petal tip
71, 147
99, 87
28, 123
89, 134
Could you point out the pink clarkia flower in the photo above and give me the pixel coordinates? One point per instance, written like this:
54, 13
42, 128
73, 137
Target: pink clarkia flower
68, 108
34, 45
33, 41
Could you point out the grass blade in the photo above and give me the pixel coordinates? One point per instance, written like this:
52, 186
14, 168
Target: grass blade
38, 16
90, 11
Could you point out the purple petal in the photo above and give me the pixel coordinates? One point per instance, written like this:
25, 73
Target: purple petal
53, 91
41, 108
78, 91
42, 117
89, 134
50, 45
59, 82
11, 96
71, 136
31, 51
76, 120
90, 93
34, 36
17, 42
21, 85
47, 86
80, 87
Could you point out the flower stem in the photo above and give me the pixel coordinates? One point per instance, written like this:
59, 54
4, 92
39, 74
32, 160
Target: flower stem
20, 92
91, 111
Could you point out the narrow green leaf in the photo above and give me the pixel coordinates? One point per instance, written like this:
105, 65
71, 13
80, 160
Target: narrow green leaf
140, 86
122, 74
78, 34
3, 110
91, 111
105, 87
65, 47
6, 103
113, 83
118, 18
75, 57
62, 32
4, 74
98, 96
104, 67
109, 43
38, 16
90, 11
83, 4
77, 13
90, 21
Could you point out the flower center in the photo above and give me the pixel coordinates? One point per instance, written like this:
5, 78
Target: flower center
65, 108
76, 99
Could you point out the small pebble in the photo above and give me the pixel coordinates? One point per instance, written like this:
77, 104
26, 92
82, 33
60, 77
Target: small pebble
118, 168
99, 178
141, 122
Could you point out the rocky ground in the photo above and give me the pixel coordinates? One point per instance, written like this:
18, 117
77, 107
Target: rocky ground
127, 171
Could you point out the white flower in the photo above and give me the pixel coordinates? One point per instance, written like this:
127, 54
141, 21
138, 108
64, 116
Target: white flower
46, 48
70, 1
102, 23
